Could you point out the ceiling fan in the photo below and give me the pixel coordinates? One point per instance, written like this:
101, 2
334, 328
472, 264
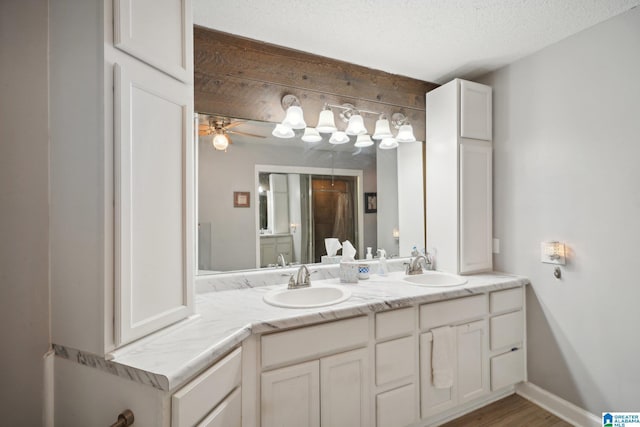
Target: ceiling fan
220, 128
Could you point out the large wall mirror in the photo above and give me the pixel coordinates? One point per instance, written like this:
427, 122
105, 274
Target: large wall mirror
264, 201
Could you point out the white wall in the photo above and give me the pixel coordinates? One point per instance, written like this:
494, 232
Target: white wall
567, 167
24, 209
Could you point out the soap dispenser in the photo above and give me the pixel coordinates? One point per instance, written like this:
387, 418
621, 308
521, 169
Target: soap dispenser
383, 268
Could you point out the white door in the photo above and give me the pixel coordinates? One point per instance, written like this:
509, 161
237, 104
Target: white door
344, 389
158, 32
473, 369
154, 229
475, 110
290, 396
433, 400
476, 221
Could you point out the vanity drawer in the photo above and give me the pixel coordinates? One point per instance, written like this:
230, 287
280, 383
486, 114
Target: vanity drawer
314, 341
195, 400
396, 408
452, 311
395, 360
396, 323
227, 414
507, 369
508, 300
506, 330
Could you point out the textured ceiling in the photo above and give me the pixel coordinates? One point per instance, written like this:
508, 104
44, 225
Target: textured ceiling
431, 40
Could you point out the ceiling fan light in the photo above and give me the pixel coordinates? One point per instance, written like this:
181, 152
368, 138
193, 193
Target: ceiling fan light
405, 134
356, 125
388, 144
382, 129
220, 141
294, 118
326, 122
338, 137
363, 141
282, 131
311, 135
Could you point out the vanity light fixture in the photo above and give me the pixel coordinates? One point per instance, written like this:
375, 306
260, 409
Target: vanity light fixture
355, 125
553, 253
294, 118
311, 135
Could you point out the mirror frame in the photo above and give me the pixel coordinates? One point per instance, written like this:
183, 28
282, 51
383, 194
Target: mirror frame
358, 173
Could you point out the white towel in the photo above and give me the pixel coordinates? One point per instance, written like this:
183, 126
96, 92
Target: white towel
442, 357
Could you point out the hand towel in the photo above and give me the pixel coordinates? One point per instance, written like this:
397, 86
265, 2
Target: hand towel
442, 357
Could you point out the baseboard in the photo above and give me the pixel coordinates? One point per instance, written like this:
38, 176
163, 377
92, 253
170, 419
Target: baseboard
561, 408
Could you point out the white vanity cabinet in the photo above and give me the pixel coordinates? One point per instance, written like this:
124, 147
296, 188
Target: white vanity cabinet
213, 398
459, 177
396, 368
469, 361
121, 170
330, 388
507, 323
272, 245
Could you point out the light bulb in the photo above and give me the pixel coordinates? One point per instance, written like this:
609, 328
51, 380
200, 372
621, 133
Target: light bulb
220, 141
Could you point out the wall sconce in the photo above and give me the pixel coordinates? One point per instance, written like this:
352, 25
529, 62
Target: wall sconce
553, 253
355, 125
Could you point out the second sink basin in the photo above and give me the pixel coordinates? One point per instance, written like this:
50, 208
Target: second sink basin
314, 296
435, 279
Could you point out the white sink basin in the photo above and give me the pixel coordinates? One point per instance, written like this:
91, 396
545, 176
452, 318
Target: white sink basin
313, 296
435, 279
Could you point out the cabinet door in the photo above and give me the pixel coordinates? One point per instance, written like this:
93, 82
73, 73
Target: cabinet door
158, 32
344, 389
475, 110
291, 396
475, 207
153, 162
473, 369
433, 400
227, 414
268, 253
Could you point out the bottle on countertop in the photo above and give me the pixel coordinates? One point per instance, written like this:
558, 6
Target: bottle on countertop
383, 268
369, 254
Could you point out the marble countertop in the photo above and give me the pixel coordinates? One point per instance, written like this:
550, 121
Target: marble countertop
169, 358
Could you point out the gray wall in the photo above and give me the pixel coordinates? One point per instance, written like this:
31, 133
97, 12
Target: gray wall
567, 167
24, 209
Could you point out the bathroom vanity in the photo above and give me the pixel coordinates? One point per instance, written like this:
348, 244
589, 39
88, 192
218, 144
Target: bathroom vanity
365, 361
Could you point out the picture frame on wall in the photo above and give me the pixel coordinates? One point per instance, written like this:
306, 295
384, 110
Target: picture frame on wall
370, 202
241, 199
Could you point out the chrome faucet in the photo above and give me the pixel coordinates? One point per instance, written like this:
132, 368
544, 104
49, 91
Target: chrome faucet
303, 279
281, 261
414, 267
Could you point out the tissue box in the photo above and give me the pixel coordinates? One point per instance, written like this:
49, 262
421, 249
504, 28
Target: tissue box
349, 272
326, 259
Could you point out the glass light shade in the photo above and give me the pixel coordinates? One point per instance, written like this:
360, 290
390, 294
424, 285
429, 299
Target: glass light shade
382, 129
311, 135
294, 118
388, 144
220, 141
405, 134
363, 141
338, 137
282, 131
326, 122
356, 125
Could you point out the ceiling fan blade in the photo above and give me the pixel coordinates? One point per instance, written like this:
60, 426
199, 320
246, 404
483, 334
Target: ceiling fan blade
244, 133
204, 132
234, 124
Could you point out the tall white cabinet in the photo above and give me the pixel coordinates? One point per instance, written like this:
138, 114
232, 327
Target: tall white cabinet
122, 170
459, 177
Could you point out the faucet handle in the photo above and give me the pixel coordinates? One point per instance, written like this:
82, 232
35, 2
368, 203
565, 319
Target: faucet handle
292, 282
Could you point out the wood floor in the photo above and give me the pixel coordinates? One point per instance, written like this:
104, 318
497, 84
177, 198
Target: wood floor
512, 411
